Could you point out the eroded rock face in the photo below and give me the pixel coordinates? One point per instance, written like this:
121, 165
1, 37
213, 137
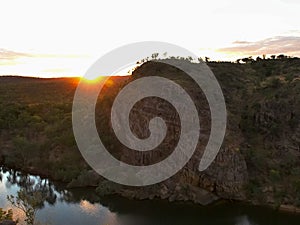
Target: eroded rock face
229, 173
226, 176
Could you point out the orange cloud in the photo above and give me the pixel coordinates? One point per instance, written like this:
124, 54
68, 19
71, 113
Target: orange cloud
11, 55
289, 45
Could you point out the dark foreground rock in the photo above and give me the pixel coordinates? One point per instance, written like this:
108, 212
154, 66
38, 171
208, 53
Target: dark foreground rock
7, 222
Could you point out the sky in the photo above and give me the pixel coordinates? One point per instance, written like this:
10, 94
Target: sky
63, 38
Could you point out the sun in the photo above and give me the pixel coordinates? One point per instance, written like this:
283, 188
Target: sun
93, 80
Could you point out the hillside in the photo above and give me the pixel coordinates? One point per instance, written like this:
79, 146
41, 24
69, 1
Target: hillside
259, 160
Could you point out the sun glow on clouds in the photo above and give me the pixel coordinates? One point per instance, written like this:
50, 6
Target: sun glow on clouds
289, 45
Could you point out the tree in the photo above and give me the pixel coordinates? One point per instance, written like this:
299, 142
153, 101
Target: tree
248, 60
273, 56
28, 203
281, 56
24, 149
154, 55
258, 58
200, 59
32, 195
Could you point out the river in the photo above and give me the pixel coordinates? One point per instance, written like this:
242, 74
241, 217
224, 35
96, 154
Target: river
82, 206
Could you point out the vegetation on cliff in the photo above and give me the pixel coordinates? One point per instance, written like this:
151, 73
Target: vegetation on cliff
259, 160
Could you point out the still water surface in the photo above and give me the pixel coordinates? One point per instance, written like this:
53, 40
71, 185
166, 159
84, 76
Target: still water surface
83, 206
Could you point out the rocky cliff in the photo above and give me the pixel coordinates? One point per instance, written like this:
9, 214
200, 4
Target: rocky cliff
225, 178
258, 161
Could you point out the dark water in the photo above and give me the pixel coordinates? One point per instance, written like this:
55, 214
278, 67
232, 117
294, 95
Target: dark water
83, 206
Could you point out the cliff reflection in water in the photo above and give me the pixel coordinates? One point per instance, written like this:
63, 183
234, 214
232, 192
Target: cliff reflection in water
60, 206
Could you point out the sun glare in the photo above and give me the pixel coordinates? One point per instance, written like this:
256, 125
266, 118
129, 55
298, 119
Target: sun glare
93, 80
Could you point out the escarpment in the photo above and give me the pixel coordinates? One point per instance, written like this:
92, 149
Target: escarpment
257, 162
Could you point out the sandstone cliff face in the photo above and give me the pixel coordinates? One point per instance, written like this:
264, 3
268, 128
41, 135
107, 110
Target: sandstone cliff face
227, 175
259, 159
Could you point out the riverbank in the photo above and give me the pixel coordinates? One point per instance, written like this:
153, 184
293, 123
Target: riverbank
289, 209
113, 192
79, 206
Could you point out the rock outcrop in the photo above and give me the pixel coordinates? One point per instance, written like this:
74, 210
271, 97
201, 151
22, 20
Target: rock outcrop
225, 178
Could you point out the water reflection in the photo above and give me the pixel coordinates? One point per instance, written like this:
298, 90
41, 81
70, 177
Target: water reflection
88, 207
61, 206
243, 220
57, 205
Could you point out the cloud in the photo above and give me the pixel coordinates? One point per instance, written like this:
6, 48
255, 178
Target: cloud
61, 55
14, 58
56, 70
11, 55
289, 45
241, 42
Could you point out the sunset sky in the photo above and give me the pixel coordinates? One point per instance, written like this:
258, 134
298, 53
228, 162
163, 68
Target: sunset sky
63, 38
